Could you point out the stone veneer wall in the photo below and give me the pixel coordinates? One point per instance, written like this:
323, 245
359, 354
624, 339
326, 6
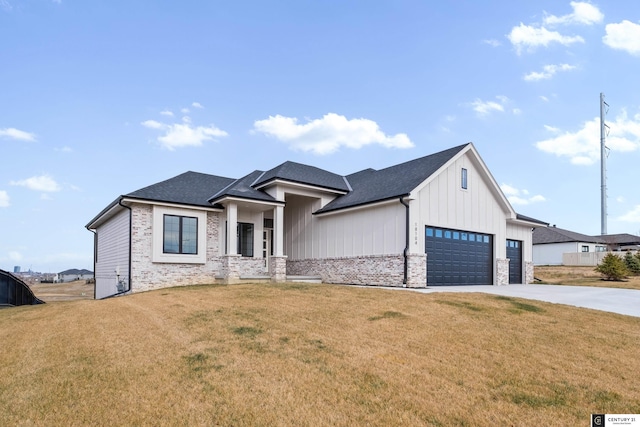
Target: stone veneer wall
417, 271
502, 271
376, 270
147, 275
528, 272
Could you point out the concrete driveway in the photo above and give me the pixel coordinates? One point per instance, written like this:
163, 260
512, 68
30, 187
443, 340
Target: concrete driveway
622, 301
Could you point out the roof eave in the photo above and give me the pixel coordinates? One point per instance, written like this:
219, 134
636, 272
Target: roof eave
276, 181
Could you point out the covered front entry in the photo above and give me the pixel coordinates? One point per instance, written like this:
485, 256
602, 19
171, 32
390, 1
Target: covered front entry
456, 257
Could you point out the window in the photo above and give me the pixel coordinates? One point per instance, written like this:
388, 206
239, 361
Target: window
601, 248
245, 239
463, 179
180, 235
585, 248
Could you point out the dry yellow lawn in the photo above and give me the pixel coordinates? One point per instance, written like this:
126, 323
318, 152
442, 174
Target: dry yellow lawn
314, 355
581, 276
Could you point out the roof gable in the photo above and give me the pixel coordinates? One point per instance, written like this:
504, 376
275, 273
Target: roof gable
303, 174
189, 188
241, 188
369, 185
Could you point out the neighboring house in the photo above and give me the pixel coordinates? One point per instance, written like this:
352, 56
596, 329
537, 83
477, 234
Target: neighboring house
621, 242
437, 220
73, 275
557, 246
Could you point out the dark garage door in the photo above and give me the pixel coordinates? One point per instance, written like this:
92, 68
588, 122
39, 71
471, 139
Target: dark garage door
456, 257
514, 253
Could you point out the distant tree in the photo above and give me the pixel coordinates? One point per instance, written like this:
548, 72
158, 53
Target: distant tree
612, 267
632, 262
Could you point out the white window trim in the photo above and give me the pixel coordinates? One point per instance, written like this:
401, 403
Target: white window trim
158, 230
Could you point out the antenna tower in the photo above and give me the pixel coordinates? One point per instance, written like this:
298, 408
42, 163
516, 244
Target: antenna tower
604, 108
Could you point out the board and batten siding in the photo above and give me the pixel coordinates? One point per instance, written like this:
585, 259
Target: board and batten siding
375, 230
112, 254
524, 234
442, 202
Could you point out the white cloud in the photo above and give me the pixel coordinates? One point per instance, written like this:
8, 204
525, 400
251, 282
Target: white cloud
484, 108
583, 146
492, 42
520, 197
529, 37
547, 72
184, 134
4, 199
328, 134
152, 124
623, 36
583, 14
18, 134
620, 199
65, 149
552, 129
631, 216
39, 183
544, 98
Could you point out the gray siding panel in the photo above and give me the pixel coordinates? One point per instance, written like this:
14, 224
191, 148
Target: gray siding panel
112, 255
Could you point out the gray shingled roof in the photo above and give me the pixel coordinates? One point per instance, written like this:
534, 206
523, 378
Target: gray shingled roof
372, 185
621, 239
543, 235
189, 188
75, 271
242, 188
303, 174
361, 188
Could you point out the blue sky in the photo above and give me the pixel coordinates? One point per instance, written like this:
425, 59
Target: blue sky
101, 98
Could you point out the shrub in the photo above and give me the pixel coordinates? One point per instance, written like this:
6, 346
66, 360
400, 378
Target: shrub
632, 262
612, 267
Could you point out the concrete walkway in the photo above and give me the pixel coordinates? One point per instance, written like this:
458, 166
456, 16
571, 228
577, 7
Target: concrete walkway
622, 301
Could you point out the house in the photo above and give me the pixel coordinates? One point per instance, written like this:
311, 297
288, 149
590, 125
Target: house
621, 242
556, 246
437, 220
74, 274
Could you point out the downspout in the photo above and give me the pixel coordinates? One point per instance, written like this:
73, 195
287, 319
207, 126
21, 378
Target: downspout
406, 248
95, 252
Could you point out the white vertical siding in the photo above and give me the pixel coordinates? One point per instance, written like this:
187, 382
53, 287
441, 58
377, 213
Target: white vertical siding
444, 203
113, 253
375, 230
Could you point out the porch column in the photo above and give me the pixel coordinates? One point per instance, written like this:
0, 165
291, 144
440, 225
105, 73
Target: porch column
232, 229
278, 264
231, 260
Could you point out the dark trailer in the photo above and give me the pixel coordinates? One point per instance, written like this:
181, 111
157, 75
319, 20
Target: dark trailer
14, 291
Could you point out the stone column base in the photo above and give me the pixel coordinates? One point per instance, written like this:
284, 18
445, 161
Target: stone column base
278, 268
231, 268
502, 272
416, 271
528, 272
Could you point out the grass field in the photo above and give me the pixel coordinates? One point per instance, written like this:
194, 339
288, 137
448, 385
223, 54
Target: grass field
581, 276
314, 355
